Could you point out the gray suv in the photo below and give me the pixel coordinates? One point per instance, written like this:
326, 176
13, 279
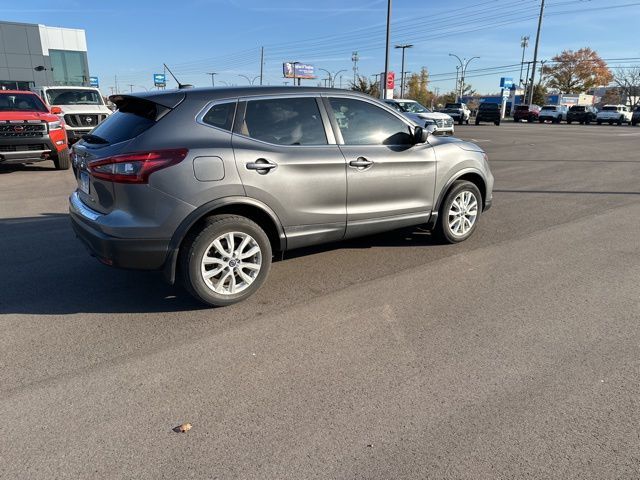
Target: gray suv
208, 185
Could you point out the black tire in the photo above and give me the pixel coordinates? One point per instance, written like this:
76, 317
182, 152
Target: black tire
634, 123
541, 120
477, 122
599, 122
197, 244
587, 121
443, 232
461, 121
497, 123
569, 122
466, 122
620, 121
62, 160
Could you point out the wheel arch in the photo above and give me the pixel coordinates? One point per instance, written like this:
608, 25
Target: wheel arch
243, 206
470, 174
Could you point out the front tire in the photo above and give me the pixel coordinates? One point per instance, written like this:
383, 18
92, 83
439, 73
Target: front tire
62, 160
459, 213
226, 261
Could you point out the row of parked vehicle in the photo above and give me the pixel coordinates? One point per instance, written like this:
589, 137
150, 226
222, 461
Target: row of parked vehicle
582, 114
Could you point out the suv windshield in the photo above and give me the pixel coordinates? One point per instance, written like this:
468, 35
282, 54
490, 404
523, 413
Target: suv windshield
21, 102
550, 107
610, 109
412, 107
488, 106
522, 108
70, 96
453, 105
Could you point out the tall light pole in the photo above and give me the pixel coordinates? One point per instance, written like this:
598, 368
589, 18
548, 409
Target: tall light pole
457, 81
535, 54
463, 70
332, 76
524, 43
251, 81
213, 74
403, 47
386, 54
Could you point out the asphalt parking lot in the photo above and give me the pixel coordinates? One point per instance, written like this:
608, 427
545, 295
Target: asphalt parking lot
512, 355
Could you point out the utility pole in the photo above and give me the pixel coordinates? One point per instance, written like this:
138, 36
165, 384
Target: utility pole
261, 63
535, 54
354, 59
213, 74
457, 82
131, 87
386, 55
403, 47
524, 43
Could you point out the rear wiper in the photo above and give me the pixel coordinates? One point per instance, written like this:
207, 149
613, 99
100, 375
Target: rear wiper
94, 139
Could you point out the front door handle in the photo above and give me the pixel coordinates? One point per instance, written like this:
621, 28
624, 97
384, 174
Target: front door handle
361, 162
261, 165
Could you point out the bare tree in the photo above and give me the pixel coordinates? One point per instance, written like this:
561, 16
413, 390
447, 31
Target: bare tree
628, 81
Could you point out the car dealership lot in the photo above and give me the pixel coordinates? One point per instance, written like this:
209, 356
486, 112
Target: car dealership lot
514, 353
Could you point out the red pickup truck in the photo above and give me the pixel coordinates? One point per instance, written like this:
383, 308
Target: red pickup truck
30, 132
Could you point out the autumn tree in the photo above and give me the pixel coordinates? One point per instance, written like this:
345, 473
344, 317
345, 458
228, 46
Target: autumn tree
365, 86
576, 72
417, 87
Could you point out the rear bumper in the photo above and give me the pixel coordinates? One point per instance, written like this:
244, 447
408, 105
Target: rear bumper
137, 253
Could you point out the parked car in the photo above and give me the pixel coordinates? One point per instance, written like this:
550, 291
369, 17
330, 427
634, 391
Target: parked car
435, 122
489, 112
635, 118
31, 132
583, 114
458, 111
208, 184
82, 108
553, 113
614, 114
526, 112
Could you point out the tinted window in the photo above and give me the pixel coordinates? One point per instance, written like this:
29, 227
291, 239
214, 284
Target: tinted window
21, 102
522, 108
610, 109
577, 108
488, 106
220, 115
285, 121
68, 96
362, 123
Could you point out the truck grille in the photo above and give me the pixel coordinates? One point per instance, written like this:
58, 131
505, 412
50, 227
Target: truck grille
22, 130
23, 148
442, 123
86, 120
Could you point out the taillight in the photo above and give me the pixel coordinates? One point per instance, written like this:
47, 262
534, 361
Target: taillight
135, 167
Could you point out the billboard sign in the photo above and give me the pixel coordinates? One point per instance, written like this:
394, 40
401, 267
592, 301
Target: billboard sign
391, 80
302, 70
93, 82
506, 82
159, 80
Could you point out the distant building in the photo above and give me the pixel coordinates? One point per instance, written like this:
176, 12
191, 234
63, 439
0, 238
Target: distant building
32, 55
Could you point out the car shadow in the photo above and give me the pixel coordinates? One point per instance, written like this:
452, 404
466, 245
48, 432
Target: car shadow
44, 166
47, 271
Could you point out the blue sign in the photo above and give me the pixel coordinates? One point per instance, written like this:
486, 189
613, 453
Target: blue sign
93, 82
159, 79
506, 82
298, 70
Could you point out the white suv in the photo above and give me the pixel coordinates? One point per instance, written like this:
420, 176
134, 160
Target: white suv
434, 122
83, 108
614, 114
555, 113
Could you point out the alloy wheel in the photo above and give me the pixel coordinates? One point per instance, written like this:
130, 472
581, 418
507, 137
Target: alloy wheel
463, 213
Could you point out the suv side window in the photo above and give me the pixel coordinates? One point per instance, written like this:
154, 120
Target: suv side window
284, 121
220, 115
362, 123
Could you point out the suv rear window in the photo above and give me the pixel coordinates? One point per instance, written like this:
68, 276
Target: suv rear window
522, 108
610, 109
577, 108
134, 116
221, 115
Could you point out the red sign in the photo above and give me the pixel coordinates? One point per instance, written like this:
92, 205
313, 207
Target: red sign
391, 80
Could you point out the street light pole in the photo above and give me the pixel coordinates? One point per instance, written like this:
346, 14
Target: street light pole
524, 43
213, 74
464, 72
386, 55
403, 47
535, 54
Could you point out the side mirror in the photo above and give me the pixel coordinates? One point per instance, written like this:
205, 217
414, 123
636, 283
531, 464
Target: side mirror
420, 135
56, 110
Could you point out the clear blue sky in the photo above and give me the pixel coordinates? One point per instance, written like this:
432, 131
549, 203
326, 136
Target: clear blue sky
132, 38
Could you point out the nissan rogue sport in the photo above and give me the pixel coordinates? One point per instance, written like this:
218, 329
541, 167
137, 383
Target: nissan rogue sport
209, 185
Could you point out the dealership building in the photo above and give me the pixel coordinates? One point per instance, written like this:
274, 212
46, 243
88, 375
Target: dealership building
33, 55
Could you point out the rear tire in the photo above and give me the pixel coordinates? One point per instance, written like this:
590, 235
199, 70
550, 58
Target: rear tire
447, 225
497, 123
62, 160
227, 260
599, 122
477, 122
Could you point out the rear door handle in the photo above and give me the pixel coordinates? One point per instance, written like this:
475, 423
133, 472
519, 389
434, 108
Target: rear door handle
361, 162
261, 165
